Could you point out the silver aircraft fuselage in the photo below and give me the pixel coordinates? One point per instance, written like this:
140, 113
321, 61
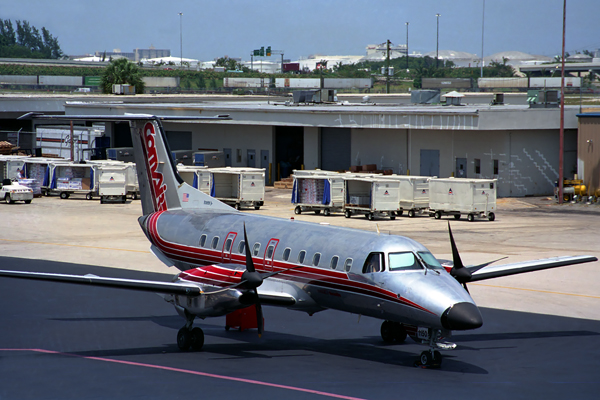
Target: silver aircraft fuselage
329, 264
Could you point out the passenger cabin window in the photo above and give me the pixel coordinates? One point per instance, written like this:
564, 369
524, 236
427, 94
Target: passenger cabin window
316, 259
256, 249
270, 251
403, 262
286, 254
215, 242
334, 262
228, 245
301, 256
348, 264
373, 263
242, 247
202, 240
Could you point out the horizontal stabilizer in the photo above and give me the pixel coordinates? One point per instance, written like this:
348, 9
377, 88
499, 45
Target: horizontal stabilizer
496, 271
119, 283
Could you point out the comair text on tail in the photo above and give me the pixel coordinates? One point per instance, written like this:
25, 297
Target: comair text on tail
161, 187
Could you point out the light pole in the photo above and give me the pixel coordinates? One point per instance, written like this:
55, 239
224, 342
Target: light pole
407, 46
181, 37
437, 42
482, 30
561, 145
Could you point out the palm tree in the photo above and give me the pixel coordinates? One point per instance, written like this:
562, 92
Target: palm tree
122, 71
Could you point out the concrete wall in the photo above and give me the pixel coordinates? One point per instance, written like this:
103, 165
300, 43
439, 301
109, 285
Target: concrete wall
384, 147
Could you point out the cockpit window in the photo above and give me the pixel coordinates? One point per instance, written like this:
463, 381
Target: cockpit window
403, 262
429, 260
373, 263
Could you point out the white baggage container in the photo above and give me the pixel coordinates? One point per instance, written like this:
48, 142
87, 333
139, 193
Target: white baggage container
371, 196
414, 193
112, 182
196, 176
132, 184
37, 169
12, 167
316, 190
457, 196
73, 178
239, 187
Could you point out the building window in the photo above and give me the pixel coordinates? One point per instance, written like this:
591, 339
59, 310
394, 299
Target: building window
477, 166
496, 167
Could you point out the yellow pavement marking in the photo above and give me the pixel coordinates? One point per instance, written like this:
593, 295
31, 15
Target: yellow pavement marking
537, 290
74, 245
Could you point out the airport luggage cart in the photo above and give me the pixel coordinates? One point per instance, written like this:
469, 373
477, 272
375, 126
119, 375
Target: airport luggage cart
371, 196
70, 178
12, 167
132, 184
458, 196
37, 169
238, 187
414, 194
196, 176
317, 191
112, 183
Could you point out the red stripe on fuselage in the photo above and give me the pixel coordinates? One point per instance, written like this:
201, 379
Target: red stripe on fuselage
221, 276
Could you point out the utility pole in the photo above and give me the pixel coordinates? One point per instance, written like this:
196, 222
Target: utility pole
387, 67
437, 42
482, 30
181, 37
407, 46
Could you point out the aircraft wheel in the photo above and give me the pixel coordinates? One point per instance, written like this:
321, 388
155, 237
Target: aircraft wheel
347, 213
491, 216
197, 339
438, 215
370, 216
470, 218
326, 212
298, 210
456, 216
387, 331
399, 333
411, 213
184, 339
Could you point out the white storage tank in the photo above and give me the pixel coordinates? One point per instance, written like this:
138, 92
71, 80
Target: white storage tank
457, 196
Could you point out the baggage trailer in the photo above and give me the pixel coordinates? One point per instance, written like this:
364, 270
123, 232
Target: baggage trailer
196, 176
238, 187
371, 196
457, 196
38, 170
12, 167
414, 193
112, 182
74, 178
317, 191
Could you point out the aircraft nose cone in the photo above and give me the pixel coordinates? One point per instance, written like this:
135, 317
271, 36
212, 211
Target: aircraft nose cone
462, 317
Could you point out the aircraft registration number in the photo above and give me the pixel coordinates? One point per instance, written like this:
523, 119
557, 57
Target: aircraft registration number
423, 333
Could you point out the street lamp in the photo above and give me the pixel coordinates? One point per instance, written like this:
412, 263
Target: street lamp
437, 43
407, 46
482, 30
181, 37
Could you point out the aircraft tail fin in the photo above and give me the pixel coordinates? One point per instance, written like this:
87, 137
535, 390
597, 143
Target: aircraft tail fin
161, 187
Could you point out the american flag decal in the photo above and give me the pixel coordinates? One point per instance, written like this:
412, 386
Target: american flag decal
186, 197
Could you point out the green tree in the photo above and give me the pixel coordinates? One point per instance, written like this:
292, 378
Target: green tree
122, 71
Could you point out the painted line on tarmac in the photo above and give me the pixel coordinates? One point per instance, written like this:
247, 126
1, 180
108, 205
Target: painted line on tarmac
74, 245
190, 372
538, 290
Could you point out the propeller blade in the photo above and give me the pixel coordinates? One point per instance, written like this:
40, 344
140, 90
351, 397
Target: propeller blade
249, 261
455, 256
467, 289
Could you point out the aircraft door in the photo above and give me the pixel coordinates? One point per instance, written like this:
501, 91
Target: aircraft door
270, 254
228, 247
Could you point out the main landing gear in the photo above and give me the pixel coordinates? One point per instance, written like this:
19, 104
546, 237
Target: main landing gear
189, 337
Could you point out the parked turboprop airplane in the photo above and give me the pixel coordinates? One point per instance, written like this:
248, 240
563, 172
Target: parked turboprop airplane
298, 265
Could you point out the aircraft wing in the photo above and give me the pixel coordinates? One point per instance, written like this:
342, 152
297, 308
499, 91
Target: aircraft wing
495, 271
131, 284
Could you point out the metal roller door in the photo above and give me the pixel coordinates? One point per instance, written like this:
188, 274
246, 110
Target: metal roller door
335, 149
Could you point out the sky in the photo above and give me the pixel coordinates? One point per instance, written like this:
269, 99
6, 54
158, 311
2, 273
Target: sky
215, 28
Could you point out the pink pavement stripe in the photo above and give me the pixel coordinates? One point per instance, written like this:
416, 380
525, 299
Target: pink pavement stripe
190, 372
